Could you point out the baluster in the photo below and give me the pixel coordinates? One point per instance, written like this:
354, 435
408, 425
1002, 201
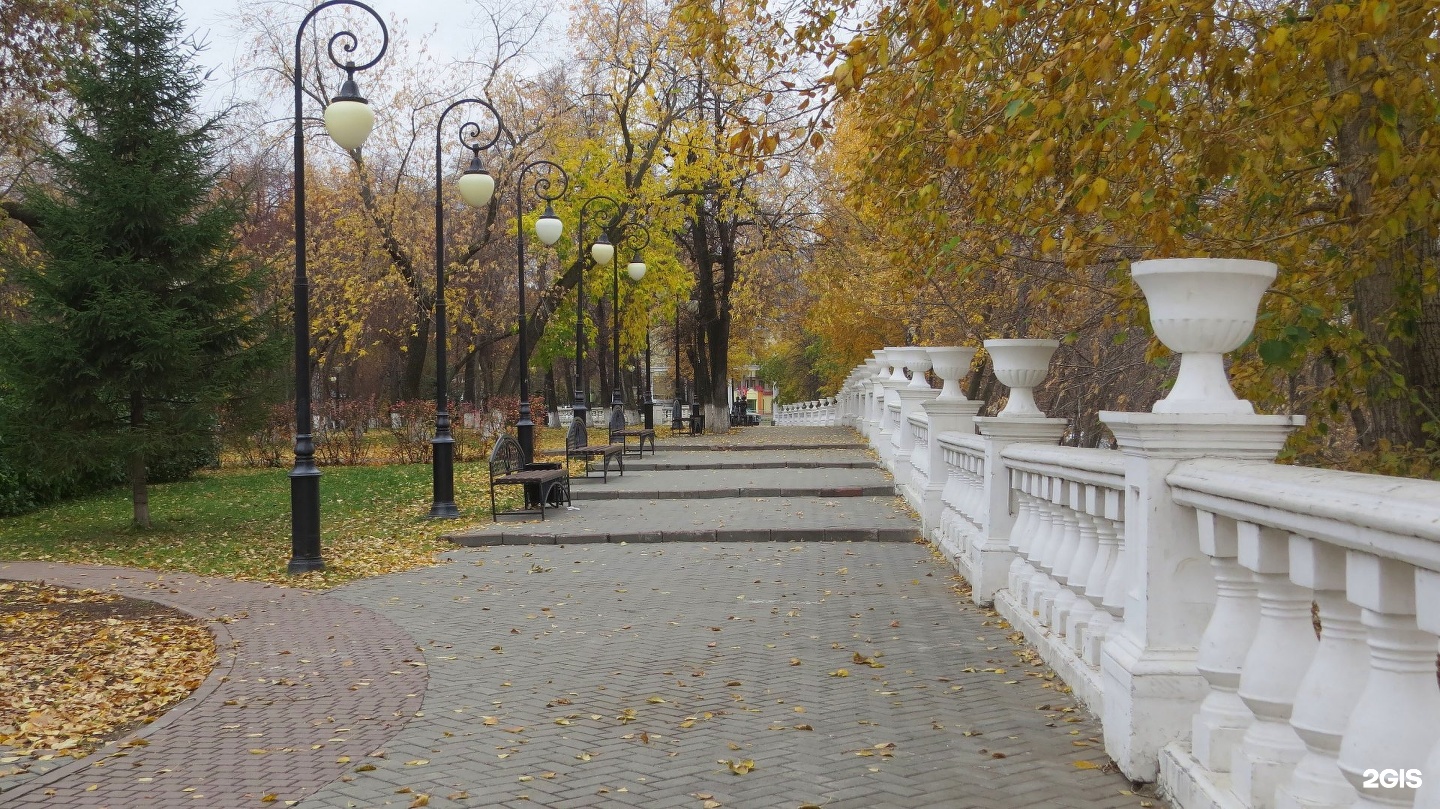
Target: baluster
1066, 534
1279, 656
1044, 536
1222, 720
1084, 578
1022, 533
1396, 723
1331, 686
1427, 616
1117, 583
979, 509
1072, 568
1103, 620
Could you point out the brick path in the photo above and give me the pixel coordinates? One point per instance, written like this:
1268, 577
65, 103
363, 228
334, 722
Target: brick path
624, 675
306, 678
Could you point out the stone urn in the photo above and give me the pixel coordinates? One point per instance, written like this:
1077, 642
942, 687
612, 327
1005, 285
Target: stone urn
1202, 308
917, 360
894, 357
1021, 365
951, 364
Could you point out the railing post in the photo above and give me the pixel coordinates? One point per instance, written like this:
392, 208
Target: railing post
994, 554
1202, 309
911, 396
948, 412
886, 385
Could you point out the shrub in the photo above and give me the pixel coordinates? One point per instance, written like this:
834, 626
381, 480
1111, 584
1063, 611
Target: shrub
340, 437
413, 425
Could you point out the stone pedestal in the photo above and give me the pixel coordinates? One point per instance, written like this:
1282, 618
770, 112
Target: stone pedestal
911, 399
1151, 682
994, 555
945, 417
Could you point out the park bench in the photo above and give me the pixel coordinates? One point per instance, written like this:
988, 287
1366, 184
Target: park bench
577, 446
543, 483
640, 433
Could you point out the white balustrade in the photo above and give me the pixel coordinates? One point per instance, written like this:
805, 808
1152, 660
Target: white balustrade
1252, 635
1067, 499
1306, 721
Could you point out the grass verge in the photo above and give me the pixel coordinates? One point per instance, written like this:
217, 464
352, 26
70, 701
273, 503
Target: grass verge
236, 523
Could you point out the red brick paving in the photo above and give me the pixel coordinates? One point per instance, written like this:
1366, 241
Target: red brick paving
301, 681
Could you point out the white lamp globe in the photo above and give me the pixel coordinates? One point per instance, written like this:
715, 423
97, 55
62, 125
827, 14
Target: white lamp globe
349, 121
476, 185
603, 252
636, 269
349, 118
549, 227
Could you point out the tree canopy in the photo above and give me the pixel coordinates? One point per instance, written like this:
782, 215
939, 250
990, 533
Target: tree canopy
137, 323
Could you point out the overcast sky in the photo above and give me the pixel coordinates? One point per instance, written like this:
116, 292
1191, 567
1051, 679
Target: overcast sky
450, 22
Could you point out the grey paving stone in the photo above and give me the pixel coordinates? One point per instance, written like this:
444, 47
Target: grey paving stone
660, 658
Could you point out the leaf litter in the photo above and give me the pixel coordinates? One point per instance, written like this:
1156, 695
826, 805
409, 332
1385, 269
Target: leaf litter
83, 666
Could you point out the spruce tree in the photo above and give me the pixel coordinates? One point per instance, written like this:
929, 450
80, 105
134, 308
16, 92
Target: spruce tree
138, 325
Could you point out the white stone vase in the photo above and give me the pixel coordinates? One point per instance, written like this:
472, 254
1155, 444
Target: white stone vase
951, 364
891, 355
1021, 365
917, 361
1202, 308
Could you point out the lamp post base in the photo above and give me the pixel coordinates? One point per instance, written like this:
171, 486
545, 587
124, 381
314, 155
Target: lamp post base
443, 487
305, 520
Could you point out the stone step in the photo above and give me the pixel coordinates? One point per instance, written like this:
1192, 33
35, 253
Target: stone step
710, 484
777, 519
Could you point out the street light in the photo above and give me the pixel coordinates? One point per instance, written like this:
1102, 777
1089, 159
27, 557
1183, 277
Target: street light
548, 229
675, 417
637, 237
601, 253
348, 119
476, 187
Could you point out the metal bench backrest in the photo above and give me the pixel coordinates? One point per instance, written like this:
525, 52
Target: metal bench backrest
576, 437
506, 457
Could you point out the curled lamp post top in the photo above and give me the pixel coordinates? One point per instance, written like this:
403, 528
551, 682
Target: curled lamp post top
634, 235
544, 186
470, 134
347, 41
476, 186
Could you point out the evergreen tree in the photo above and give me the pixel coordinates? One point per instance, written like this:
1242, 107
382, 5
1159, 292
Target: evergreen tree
138, 325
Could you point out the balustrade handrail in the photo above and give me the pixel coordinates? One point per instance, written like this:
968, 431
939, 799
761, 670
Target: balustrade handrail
965, 442
1097, 467
1394, 518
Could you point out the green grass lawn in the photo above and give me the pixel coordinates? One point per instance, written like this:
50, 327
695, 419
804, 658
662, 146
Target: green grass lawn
236, 523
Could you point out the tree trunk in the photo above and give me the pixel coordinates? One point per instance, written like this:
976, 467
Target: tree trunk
139, 494
417, 346
1391, 291
468, 386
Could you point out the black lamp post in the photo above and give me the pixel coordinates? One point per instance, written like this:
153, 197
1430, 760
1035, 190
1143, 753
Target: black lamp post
647, 402
349, 119
600, 253
637, 237
548, 229
675, 423
476, 187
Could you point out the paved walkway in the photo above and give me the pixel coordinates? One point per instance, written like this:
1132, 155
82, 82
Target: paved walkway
707, 673
301, 680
